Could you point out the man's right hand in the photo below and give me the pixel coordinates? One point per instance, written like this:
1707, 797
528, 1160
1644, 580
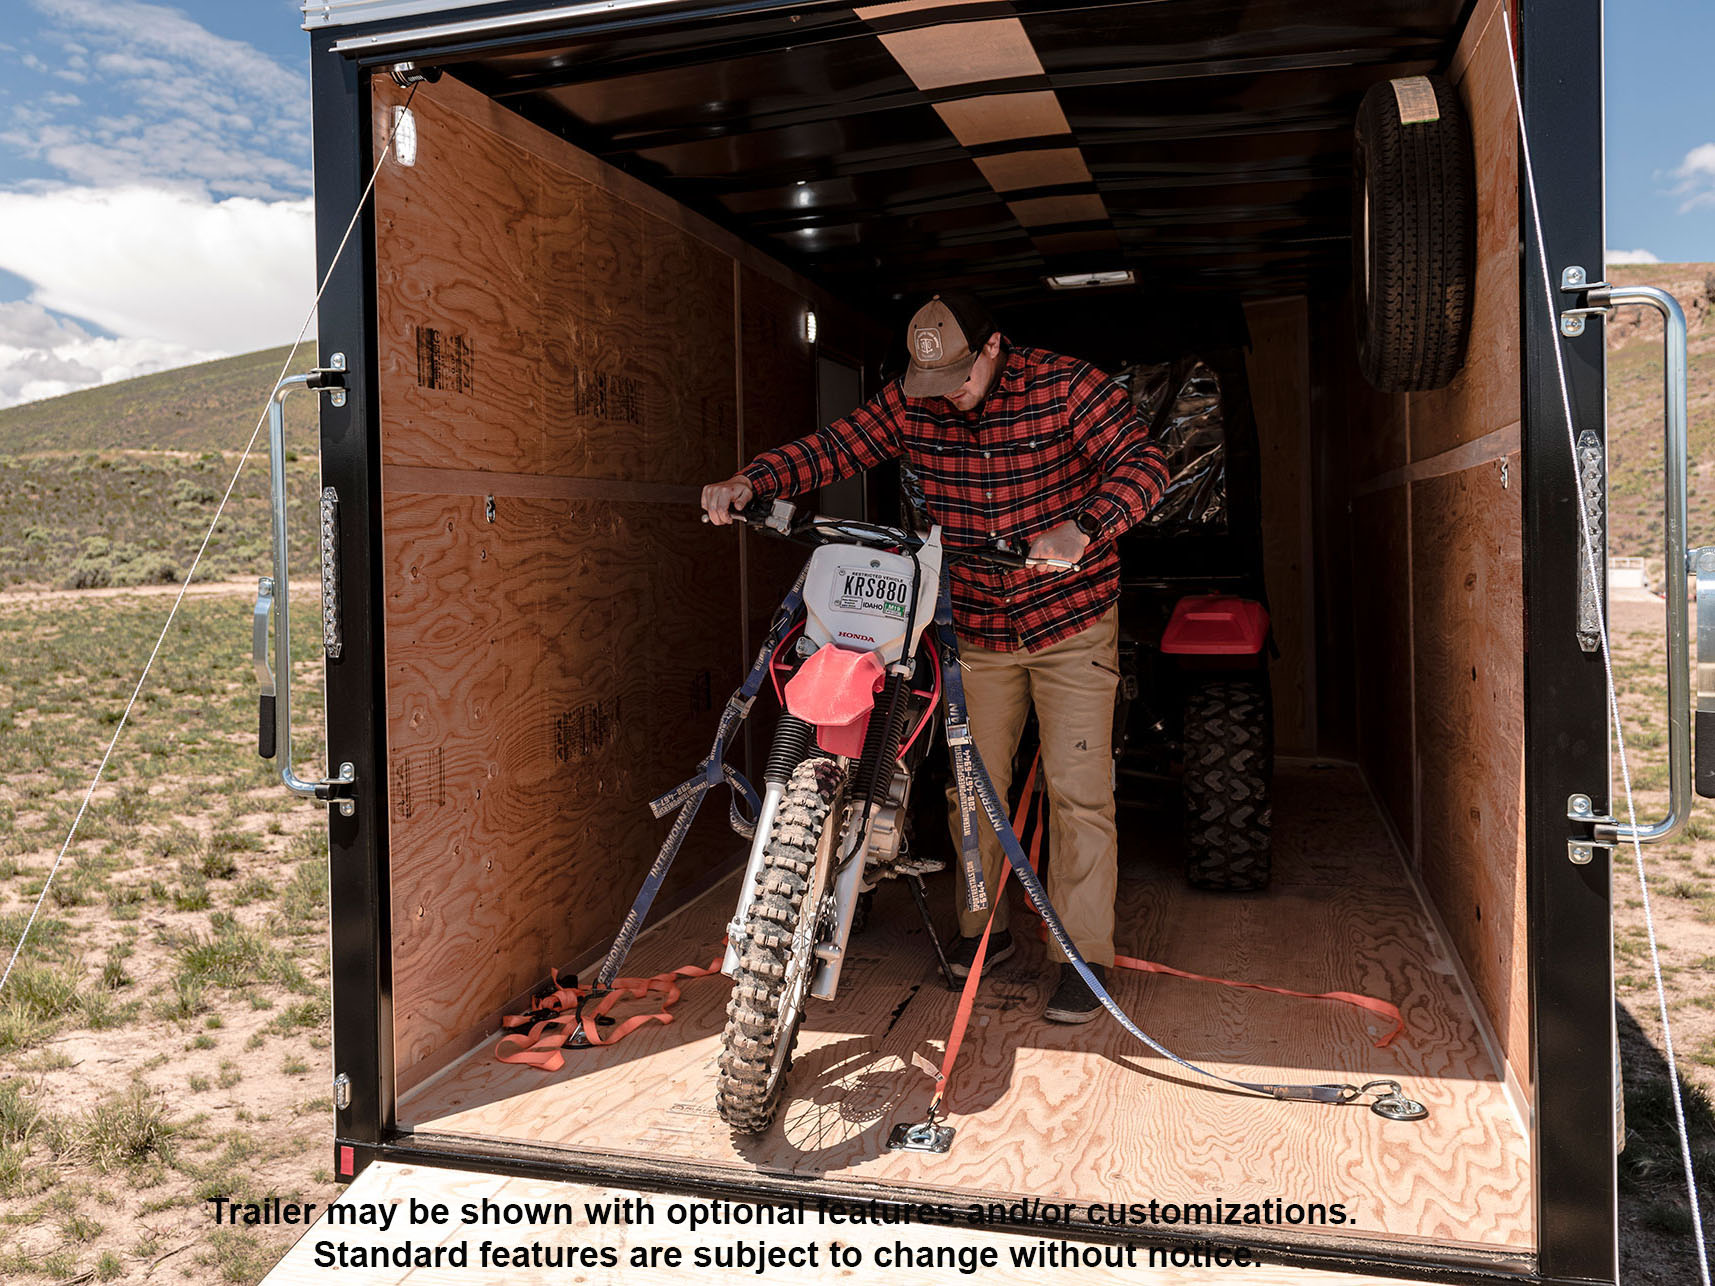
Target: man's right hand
721, 498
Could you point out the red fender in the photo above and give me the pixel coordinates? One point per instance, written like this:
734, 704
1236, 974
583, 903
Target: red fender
835, 690
1216, 625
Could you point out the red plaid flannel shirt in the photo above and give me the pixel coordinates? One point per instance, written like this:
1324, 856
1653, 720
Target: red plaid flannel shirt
1053, 438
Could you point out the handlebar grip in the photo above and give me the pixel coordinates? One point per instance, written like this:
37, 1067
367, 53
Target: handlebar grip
265, 728
1703, 757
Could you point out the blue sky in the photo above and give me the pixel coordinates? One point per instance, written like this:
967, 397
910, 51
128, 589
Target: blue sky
1661, 111
155, 175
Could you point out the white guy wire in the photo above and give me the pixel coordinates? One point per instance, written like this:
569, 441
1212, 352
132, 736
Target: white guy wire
1608, 668
147, 665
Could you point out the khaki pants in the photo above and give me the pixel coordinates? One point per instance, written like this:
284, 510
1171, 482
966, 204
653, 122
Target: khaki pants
1071, 683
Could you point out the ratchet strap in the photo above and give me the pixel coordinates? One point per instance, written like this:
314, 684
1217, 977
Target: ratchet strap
561, 1017
968, 996
688, 796
973, 783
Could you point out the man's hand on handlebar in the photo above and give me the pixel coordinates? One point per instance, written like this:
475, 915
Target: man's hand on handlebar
721, 498
1059, 548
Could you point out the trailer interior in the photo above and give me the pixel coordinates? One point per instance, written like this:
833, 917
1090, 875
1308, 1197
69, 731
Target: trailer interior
618, 266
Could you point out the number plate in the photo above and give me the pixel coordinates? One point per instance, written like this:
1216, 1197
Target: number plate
863, 589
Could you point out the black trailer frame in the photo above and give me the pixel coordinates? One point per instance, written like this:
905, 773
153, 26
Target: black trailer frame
1570, 967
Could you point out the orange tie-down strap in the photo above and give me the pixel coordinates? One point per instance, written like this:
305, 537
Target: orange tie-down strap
554, 1020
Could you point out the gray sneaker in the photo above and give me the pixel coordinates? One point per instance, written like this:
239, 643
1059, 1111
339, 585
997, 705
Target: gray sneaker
1073, 1001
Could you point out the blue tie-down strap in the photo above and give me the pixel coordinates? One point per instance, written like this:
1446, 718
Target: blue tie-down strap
974, 783
687, 797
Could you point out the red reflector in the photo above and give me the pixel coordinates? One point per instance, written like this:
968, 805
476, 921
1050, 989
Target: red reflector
1216, 625
347, 1160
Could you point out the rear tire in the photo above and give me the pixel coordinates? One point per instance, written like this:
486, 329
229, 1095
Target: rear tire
1229, 767
772, 981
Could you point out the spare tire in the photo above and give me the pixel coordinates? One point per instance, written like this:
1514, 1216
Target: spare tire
1414, 235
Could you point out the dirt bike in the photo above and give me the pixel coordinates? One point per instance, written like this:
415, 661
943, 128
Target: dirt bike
859, 680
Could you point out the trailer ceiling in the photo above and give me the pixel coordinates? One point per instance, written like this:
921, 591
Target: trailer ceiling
887, 149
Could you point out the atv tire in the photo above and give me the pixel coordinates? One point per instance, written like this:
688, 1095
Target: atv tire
772, 981
1414, 235
1229, 766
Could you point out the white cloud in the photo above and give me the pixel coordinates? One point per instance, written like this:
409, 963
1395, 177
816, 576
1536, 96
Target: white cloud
177, 276
182, 225
199, 108
1629, 256
43, 356
1696, 175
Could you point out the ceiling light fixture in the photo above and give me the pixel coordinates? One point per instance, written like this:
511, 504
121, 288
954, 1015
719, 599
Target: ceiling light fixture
1090, 280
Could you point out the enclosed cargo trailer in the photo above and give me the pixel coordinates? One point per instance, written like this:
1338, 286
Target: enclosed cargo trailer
618, 248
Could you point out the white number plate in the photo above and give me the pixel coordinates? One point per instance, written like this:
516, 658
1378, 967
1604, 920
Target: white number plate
862, 589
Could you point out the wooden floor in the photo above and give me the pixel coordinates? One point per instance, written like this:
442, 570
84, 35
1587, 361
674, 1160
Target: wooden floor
1084, 1114
634, 1248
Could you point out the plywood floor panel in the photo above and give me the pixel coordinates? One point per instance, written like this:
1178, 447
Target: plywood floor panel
1085, 1113
386, 1184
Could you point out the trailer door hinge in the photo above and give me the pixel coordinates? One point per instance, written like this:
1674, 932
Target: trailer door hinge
1581, 849
342, 1091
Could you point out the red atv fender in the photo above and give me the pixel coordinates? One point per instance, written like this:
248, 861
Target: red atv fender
1216, 625
835, 691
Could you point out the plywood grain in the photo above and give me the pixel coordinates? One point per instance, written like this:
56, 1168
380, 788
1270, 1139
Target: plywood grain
567, 343
1084, 1113
1467, 602
388, 1184
545, 680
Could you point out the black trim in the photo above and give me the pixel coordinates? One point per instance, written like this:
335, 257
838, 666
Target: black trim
356, 683
1566, 738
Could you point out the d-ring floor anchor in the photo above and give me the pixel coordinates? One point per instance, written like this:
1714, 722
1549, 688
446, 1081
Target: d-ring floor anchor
1393, 1104
926, 1136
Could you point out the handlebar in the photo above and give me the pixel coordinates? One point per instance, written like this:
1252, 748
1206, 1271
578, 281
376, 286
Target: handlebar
783, 520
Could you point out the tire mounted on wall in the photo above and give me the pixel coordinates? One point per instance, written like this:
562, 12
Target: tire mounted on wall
1229, 768
1414, 212
771, 984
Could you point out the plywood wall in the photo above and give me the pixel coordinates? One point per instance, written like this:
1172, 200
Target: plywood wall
561, 355
1438, 550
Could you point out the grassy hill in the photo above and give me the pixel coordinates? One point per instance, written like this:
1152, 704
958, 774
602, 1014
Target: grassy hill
208, 407
1635, 409
116, 485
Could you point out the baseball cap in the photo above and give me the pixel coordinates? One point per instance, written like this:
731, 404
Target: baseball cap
944, 338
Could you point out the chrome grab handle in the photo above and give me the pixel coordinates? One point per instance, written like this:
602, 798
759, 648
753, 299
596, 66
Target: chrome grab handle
275, 726
1601, 298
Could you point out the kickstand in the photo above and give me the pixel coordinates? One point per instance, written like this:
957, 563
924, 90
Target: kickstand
921, 897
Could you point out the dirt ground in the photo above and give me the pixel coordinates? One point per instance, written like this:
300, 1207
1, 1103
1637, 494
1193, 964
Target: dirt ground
164, 1038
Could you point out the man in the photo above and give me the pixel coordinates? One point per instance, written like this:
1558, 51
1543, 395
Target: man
1018, 443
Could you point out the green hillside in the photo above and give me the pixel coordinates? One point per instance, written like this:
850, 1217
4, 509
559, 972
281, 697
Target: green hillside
117, 485
1635, 410
208, 407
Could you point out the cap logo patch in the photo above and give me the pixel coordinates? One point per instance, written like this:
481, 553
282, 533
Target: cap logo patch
927, 341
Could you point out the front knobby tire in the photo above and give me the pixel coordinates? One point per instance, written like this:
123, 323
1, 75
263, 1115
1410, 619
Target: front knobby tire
772, 981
